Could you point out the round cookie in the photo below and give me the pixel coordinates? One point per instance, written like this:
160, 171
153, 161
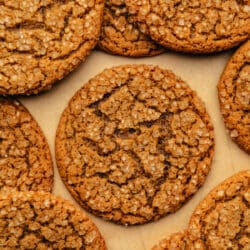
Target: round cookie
25, 160
38, 220
222, 219
234, 96
193, 26
121, 37
42, 41
134, 144
177, 241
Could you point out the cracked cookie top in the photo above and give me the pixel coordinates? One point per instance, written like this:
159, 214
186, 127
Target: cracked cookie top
42, 221
177, 241
220, 221
134, 144
42, 41
234, 96
119, 35
25, 161
193, 26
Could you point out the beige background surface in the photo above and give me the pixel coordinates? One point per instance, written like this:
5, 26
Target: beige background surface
202, 74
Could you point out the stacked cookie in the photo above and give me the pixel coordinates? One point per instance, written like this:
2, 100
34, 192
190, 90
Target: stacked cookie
121, 36
185, 26
135, 143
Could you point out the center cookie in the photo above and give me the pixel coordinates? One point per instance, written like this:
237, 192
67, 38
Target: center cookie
191, 25
42, 41
134, 144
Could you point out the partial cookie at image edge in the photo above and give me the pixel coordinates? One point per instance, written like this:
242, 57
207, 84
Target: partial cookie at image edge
40, 220
193, 238
25, 156
33, 59
234, 96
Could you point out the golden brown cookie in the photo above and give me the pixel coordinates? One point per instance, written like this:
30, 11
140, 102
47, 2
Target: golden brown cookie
177, 241
191, 25
234, 96
122, 37
42, 41
134, 144
42, 221
25, 161
220, 221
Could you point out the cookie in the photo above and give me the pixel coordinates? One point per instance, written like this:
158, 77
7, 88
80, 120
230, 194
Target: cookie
193, 26
220, 221
134, 144
177, 241
122, 37
234, 96
39, 220
43, 41
25, 160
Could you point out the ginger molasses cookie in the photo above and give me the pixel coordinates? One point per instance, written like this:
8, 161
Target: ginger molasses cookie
25, 161
134, 144
220, 221
234, 96
177, 241
121, 36
39, 220
191, 25
42, 41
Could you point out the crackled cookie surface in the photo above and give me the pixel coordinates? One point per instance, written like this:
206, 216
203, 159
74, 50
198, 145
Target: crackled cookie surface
234, 95
119, 35
42, 41
222, 219
177, 241
42, 221
191, 25
134, 144
25, 161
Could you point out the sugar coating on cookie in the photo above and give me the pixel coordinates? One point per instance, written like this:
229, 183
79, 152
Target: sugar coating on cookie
119, 35
177, 241
191, 25
134, 144
42, 41
234, 96
25, 161
222, 219
42, 221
